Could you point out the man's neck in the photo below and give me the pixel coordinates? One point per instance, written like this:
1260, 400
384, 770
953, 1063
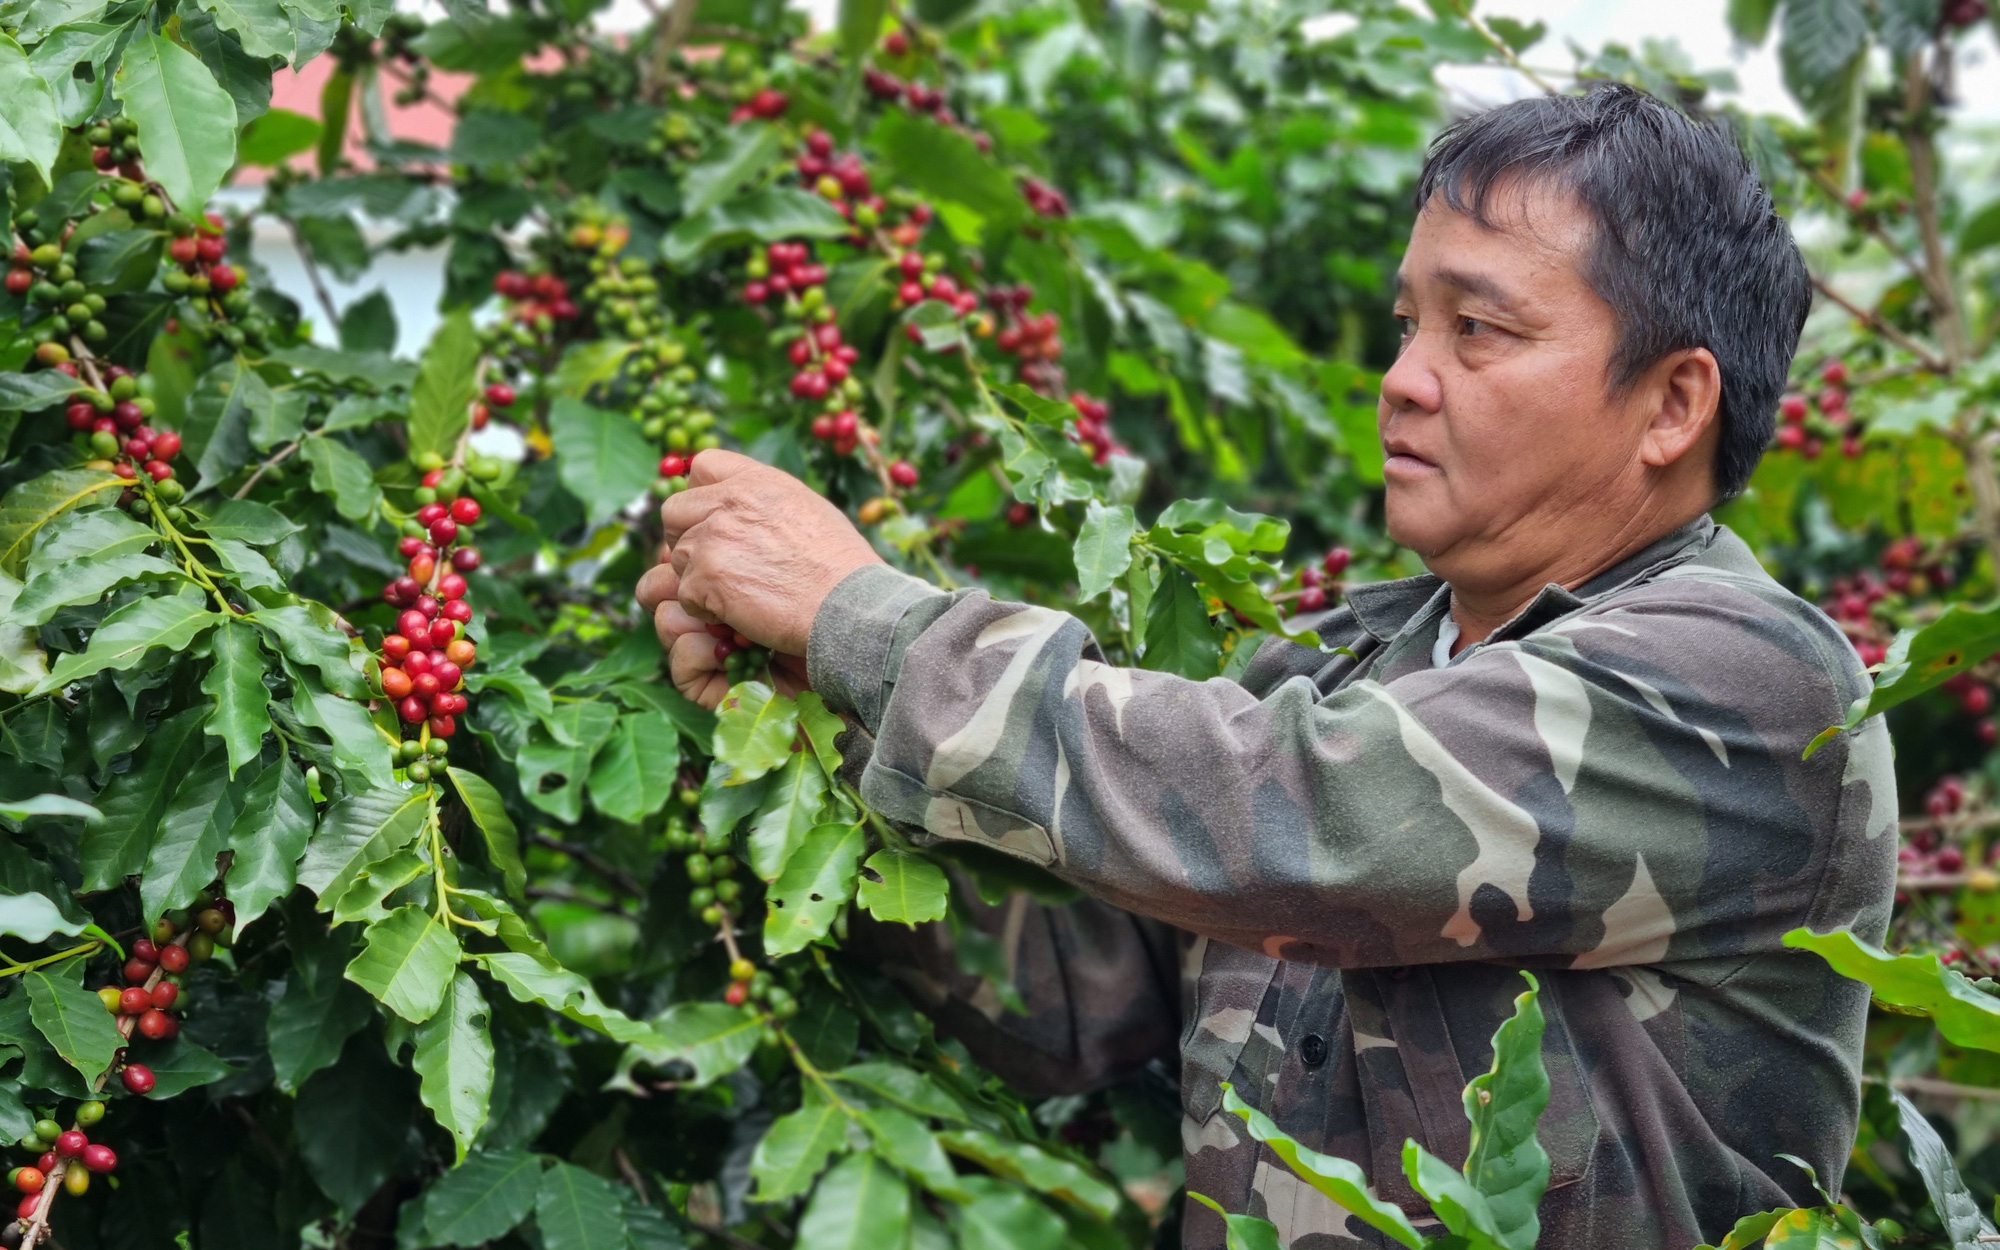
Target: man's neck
1480, 609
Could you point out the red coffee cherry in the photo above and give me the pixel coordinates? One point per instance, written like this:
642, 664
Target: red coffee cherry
395, 683
457, 610
903, 473
443, 530
99, 1158
500, 395
138, 1078
69, 1145
135, 999
155, 1024
144, 949
465, 559
173, 959
412, 710
166, 992
465, 510
430, 513
137, 970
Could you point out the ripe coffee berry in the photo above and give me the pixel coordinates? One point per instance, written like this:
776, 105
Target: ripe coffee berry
134, 1000
737, 994
137, 970
465, 559
144, 949
137, 1077
1336, 561
500, 395
465, 510
443, 530
99, 1158
903, 473
155, 1024
166, 992
26, 1207
174, 958
29, 1180
70, 1144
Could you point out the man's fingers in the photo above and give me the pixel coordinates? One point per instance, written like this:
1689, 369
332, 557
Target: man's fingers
715, 464
672, 620
695, 671
658, 585
690, 508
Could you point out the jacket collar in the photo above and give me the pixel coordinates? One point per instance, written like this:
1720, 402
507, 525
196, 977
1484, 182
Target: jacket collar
1385, 609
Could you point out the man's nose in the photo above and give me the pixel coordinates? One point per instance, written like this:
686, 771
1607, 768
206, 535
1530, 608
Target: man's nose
1413, 382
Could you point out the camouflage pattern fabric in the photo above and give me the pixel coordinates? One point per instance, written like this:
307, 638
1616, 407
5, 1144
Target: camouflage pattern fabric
1609, 790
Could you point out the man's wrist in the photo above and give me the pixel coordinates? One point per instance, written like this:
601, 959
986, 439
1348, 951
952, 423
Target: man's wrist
849, 650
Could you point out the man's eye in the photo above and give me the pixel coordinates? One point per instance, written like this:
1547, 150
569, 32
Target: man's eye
1406, 326
1472, 325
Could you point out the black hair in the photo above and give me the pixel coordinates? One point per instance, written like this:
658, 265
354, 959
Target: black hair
1690, 251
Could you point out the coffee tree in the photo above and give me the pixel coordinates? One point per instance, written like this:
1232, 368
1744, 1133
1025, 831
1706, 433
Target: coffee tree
364, 881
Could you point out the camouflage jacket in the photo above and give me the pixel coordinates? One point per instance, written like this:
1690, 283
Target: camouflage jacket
1608, 790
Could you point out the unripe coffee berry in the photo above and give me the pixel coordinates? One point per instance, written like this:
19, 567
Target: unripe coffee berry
173, 959
76, 1181
110, 996
89, 1113
48, 1131
200, 947
742, 970
29, 1180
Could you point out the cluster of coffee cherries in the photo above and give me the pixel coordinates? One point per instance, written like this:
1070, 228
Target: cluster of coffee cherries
54, 1146
111, 427
58, 302
923, 277
1975, 699
766, 103
748, 983
1851, 603
841, 179
787, 270
1043, 198
1033, 339
424, 661
710, 867
149, 1001
1799, 430
742, 660
1927, 853
541, 301
1318, 583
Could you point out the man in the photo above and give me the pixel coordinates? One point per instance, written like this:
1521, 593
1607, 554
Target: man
1574, 747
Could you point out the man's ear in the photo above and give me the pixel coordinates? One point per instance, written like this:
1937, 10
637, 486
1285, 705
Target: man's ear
1684, 394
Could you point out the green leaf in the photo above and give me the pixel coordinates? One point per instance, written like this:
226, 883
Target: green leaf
126, 635
1244, 1232
480, 1200
905, 1087
55, 60
82, 581
712, 1038
741, 155
344, 1117
317, 1013
1103, 549
1956, 1208
817, 881
754, 729
489, 812
601, 456
578, 1210
277, 136
441, 397
23, 663
792, 806
1924, 658
860, 22
860, 1205
339, 472
73, 1019
1749, 1231
908, 1144
187, 123
269, 836
1966, 1015
795, 1150
88, 534
31, 392
29, 128
1002, 1217
32, 917
1337, 1178
1179, 638
33, 504
358, 746
823, 730
637, 770
454, 1056
407, 962
946, 164
1820, 43
309, 636
242, 702
193, 830
902, 888
766, 215
179, 1065
1750, 20
1494, 1200
47, 805
1037, 1169
134, 801
536, 978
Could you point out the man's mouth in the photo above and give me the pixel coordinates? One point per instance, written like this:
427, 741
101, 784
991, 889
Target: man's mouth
1403, 459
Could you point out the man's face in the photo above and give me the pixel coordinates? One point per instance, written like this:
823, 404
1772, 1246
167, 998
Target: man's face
1498, 418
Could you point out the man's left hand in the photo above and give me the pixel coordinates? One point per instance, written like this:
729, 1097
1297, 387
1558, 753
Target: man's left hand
751, 547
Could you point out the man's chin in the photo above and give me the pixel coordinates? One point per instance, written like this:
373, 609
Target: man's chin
1418, 519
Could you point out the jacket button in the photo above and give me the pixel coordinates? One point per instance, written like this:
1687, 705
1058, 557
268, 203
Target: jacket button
1312, 1050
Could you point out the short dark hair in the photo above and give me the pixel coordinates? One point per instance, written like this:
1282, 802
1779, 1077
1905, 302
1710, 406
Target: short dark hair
1690, 251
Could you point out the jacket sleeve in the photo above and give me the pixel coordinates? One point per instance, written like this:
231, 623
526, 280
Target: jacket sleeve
1621, 789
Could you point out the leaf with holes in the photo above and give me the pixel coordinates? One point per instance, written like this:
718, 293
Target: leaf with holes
902, 888
817, 882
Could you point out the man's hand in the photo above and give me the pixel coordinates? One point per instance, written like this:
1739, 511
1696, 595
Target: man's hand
751, 547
